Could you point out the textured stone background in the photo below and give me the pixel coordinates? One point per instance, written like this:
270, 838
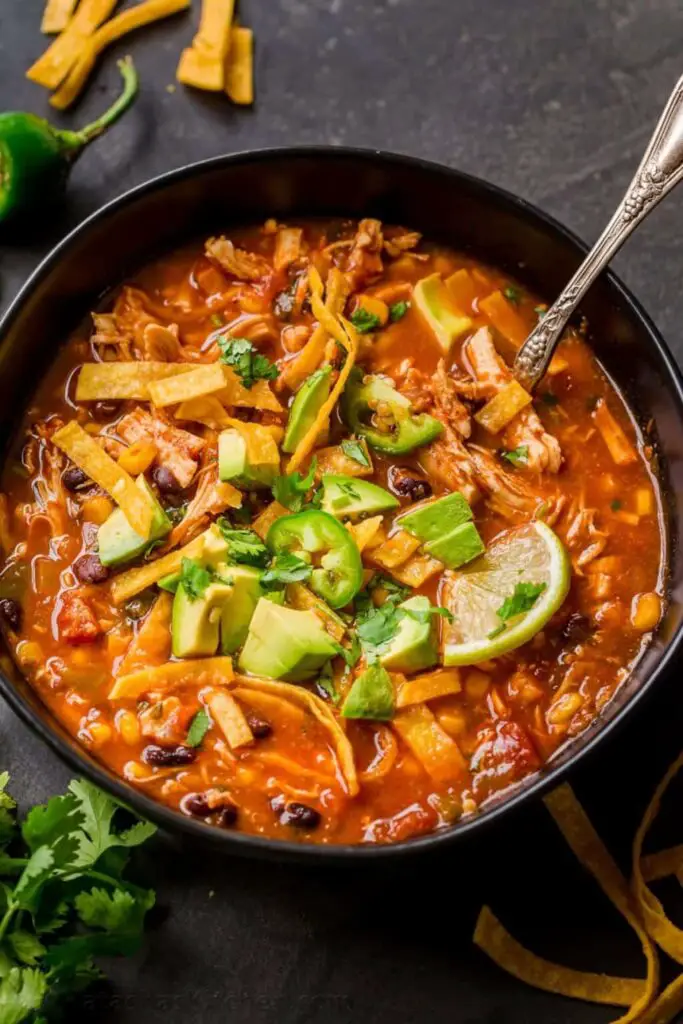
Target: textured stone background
554, 100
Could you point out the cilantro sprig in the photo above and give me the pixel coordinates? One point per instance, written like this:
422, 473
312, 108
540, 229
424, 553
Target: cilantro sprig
522, 600
354, 450
398, 310
285, 568
244, 546
517, 456
246, 361
195, 578
291, 489
364, 321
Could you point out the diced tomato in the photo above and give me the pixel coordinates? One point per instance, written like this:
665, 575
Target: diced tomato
76, 620
504, 754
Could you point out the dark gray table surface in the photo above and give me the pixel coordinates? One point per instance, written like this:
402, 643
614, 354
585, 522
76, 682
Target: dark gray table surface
554, 100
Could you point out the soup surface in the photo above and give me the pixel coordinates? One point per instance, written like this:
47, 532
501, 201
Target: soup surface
288, 548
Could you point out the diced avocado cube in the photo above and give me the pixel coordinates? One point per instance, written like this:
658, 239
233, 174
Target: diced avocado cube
118, 542
307, 403
239, 607
436, 305
371, 696
458, 547
348, 496
415, 645
432, 519
283, 643
196, 621
214, 551
233, 462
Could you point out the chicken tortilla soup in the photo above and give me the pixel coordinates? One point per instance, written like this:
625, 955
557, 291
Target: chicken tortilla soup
288, 547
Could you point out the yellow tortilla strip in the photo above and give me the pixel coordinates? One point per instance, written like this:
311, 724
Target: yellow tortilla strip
364, 532
105, 381
437, 752
334, 460
265, 519
89, 50
258, 396
262, 447
152, 645
441, 683
416, 570
503, 407
133, 581
87, 454
667, 1006
239, 67
503, 949
199, 671
302, 366
229, 717
203, 64
662, 864
396, 550
590, 850
50, 68
318, 708
200, 381
57, 15
207, 410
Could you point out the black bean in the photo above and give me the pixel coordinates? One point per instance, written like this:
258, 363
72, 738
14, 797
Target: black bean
259, 726
409, 484
105, 410
89, 569
301, 816
10, 612
576, 630
168, 757
165, 480
74, 479
227, 816
196, 805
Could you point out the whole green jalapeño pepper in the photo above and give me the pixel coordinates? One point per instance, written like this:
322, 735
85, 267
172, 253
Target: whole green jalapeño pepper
36, 158
321, 539
373, 408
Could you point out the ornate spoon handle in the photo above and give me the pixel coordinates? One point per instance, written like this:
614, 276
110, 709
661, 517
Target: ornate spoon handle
660, 170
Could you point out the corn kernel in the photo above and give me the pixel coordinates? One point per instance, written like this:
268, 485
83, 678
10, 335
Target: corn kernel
97, 509
92, 428
81, 656
564, 708
138, 457
476, 684
645, 501
646, 610
128, 727
97, 733
29, 653
133, 771
373, 306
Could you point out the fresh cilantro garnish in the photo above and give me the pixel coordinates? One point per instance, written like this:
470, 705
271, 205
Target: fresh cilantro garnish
496, 632
350, 654
423, 615
354, 450
517, 456
394, 591
194, 578
523, 598
364, 321
64, 900
285, 568
512, 293
376, 627
291, 489
217, 319
199, 726
549, 399
244, 546
246, 361
616, 504
349, 494
398, 310
540, 311
325, 682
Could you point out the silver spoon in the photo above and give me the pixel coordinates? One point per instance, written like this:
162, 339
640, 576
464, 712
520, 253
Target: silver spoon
659, 171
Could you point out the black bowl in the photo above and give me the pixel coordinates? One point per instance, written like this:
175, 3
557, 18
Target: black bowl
446, 206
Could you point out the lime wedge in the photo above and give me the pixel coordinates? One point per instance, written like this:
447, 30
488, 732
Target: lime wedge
526, 568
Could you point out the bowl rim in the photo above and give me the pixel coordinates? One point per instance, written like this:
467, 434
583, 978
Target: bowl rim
246, 844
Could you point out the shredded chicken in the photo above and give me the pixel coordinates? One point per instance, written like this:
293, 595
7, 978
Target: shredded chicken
438, 394
246, 266
447, 460
165, 721
110, 334
583, 535
212, 497
364, 261
526, 430
399, 244
76, 620
161, 343
506, 491
178, 450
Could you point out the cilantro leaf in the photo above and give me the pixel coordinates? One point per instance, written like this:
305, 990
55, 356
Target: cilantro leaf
517, 456
512, 293
246, 361
285, 568
398, 310
376, 627
194, 578
523, 598
244, 546
45, 824
8, 823
291, 489
423, 615
117, 911
364, 321
22, 991
26, 947
392, 590
354, 450
325, 682
38, 870
199, 726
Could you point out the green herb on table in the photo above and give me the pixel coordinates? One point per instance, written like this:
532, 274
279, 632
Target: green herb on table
246, 361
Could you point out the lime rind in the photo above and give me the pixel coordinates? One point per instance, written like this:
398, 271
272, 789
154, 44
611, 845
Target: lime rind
534, 554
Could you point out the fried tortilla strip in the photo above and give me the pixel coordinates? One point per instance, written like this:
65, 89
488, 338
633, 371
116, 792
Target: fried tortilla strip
134, 17
53, 66
416, 570
239, 68
107, 474
618, 445
258, 396
302, 366
229, 717
365, 532
264, 520
436, 751
261, 445
106, 381
131, 582
207, 410
504, 950
662, 864
152, 645
165, 677
200, 381
503, 407
440, 683
299, 596
203, 65
57, 15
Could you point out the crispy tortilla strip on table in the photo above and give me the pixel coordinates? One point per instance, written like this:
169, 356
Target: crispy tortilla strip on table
577, 830
202, 65
618, 445
302, 697
365, 532
308, 360
133, 581
207, 410
667, 1006
239, 68
503, 407
504, 950
229, 717
53, 65
662, 864
104, 381
436, 751
107, 474
200, 381
264, 520
259, 396
133, 17
152, 645
441, 683
57, 15
165, 677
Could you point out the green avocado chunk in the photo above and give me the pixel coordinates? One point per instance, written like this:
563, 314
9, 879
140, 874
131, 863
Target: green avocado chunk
214, 552
432, 519
415, 645
436, 305
233, 463
348, 496
283, 643
195, 624
371, 696
459, 546
307, 403
239, 607
117, 541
